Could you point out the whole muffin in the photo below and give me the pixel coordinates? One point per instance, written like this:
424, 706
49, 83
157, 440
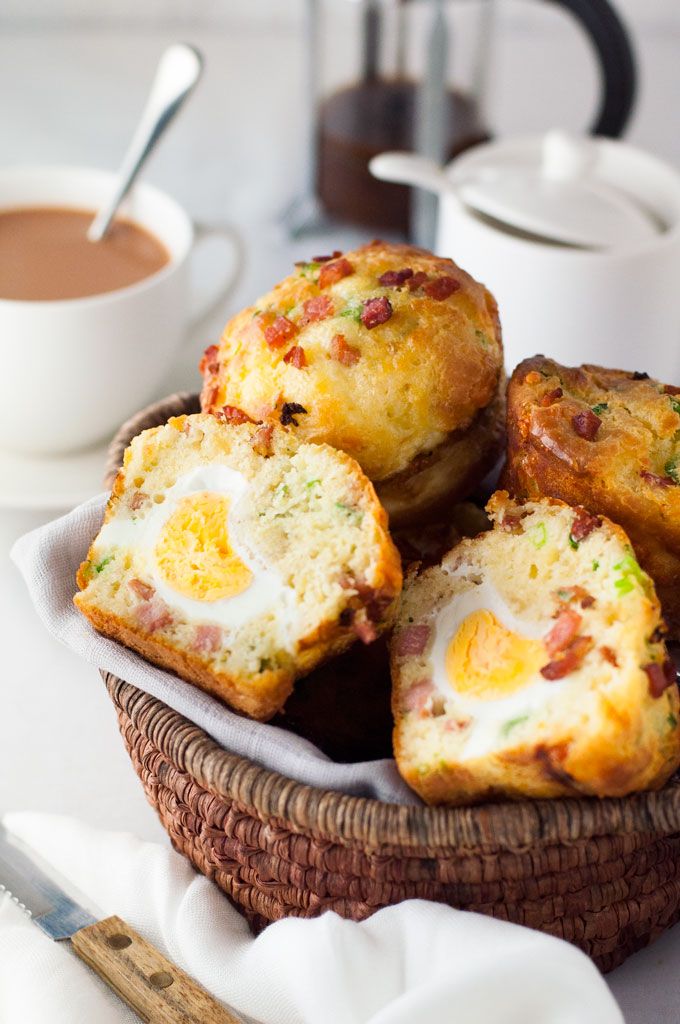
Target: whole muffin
389, 353
609, 440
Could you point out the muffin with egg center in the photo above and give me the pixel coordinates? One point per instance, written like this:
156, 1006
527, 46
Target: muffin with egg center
531, 663
239, 558
388, 353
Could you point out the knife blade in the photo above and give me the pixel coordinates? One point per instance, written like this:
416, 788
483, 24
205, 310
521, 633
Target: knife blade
155, 988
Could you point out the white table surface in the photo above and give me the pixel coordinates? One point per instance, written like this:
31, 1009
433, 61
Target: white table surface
71, 102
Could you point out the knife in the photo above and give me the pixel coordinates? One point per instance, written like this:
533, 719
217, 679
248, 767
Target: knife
157, 990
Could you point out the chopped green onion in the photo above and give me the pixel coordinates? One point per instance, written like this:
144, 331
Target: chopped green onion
510, 725
348, 510
596, 565
281, 491
672, 469
309, 270
672, 720
630, 570
538, 535
675, 402
600, 408
573, 543
311, 483
104, 562
353, 310
482, 338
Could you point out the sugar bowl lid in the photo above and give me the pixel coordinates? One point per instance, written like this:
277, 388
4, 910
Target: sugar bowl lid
555, 194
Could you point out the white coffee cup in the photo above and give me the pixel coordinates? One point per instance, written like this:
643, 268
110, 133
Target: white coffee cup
72, 370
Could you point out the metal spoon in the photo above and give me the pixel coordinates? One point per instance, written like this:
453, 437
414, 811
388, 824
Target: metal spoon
178, 72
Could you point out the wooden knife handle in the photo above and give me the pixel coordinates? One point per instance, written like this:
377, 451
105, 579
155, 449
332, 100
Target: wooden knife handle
157, 991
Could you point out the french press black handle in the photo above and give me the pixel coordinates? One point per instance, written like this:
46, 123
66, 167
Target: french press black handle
617, 64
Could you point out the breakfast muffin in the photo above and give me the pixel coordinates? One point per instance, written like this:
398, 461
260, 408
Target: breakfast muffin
531, 663
609, 440
388, 353
239, 557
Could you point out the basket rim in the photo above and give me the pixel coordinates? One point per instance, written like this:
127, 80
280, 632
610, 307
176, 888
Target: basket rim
330, 814
512, 825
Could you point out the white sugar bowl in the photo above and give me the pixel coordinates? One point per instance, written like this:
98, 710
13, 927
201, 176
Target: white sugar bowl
578, 239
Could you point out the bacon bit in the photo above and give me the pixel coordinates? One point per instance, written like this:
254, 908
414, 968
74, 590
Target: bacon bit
261, 441
209, 362
584, 523
342, 352
570, 659
586, 424
671, 389
143, 590
209, 396
395, 278
365, 630
576, 593
533, 377
289, 411
153, 615
457, 725
318, 308
295, 356
207, 638
376, 311
279, 332
441, 288
330, 273
412, 640
563, 632
232, 414
325, 259
660, 676
138, 499
512, 522
609, 655
657, 481
415, 282
417, 696
551, 396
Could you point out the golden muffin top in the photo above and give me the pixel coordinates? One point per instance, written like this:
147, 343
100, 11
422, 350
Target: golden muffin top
381, 352
607, 425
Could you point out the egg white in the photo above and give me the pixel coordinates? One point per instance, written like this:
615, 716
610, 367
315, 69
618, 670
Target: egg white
266, 592
488, 716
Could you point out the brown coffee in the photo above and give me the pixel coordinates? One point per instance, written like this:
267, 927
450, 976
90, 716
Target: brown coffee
45, 254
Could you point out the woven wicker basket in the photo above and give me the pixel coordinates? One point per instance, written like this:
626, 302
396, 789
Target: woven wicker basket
603, 874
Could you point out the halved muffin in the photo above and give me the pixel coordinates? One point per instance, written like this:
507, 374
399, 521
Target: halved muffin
388, 353
239, 558
609, 440
531, 663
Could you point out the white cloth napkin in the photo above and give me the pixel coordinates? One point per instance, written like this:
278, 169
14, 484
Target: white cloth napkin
48, 559
417, 963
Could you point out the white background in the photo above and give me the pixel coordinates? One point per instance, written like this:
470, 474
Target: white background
73, 75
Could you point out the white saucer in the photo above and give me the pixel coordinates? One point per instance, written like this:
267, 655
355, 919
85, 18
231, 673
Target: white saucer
51, 481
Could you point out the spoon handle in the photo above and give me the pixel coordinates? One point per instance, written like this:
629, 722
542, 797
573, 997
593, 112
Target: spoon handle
178, 72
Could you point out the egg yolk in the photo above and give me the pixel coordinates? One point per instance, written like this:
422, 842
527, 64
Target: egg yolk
487, 661
193, 552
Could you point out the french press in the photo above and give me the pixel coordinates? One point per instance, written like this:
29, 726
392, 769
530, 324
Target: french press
412, 75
